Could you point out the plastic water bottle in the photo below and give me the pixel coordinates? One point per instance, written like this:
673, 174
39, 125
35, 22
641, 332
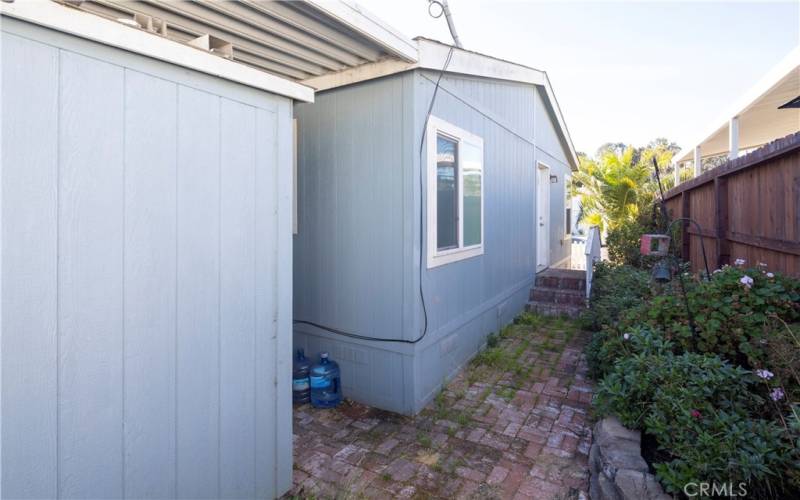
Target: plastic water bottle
326, 390
301, 387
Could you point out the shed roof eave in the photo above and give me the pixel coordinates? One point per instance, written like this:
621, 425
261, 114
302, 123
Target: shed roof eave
84, 25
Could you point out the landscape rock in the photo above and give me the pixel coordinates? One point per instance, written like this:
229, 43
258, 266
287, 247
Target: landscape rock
617, 469
634, 484
610, 428
618, 455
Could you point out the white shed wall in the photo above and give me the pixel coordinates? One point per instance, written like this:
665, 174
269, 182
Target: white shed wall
146, 277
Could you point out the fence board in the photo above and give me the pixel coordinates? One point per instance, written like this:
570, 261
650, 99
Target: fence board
749, 208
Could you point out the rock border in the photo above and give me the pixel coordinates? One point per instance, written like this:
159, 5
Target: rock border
617, 469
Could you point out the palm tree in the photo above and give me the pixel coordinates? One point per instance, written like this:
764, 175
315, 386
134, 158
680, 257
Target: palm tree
614, 188
619, 184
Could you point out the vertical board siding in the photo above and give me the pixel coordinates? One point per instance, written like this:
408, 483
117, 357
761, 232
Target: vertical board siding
350, 232
470, 298
283, 297
266, 291
455, 290
145, 331
90, 277
352, 267
198, 295
150, 285
29, 280
357, 251
550, 151
237, 300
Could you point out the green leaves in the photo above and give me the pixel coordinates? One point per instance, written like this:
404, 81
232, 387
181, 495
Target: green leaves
712, 414
618, 184
700, 410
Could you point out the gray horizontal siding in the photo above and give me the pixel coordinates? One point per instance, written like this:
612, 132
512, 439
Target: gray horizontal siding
143, 219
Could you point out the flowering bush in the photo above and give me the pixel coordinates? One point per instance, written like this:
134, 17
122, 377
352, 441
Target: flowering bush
703, 412
722, 403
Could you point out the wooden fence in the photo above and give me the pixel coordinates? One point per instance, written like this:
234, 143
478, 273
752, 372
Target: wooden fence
748, 208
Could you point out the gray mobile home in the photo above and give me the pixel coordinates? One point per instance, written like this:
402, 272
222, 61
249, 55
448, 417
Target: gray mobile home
418, 232
145, 241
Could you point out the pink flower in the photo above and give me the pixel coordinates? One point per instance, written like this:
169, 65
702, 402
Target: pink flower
697, 414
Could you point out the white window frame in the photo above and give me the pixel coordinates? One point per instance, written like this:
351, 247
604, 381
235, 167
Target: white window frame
436, 257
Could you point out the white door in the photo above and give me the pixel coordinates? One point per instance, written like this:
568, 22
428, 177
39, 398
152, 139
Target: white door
542, 217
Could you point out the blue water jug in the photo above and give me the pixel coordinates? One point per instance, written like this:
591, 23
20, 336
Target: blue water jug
301, 387
326, 389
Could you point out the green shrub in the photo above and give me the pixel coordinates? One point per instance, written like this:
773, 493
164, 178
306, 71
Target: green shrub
722, 405
611, 344
733, 319
623, 243
702, 411
793, 424
615, 289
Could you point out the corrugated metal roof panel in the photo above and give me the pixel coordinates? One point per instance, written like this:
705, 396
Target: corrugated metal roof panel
292, 39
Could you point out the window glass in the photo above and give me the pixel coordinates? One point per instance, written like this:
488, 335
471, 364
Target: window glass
446, 193
471, 164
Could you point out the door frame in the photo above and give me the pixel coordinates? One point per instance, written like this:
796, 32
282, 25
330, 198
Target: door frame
542, 223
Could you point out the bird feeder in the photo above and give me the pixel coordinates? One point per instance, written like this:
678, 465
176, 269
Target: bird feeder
655, 244
662, 272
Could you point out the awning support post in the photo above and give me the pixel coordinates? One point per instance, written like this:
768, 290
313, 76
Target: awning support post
733, 138
698, 161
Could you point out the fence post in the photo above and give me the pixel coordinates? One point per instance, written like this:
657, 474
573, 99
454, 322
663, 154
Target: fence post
685, 226
721, 204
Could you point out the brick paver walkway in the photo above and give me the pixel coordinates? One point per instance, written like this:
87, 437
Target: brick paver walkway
513, 424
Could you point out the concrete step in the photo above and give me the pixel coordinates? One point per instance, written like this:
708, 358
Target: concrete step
563, 282
558, 296
551, 309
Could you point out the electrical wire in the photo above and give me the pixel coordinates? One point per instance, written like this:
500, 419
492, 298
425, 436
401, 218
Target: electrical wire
345, 333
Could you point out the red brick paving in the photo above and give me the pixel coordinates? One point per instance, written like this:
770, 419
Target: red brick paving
522, 431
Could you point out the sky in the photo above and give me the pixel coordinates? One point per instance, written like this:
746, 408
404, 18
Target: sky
622, 71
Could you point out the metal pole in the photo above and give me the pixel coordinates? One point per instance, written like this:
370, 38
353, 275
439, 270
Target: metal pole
450, 23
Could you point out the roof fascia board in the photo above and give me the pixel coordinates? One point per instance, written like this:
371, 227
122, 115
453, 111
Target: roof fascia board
357, 74
85, 25
432, 55
360, 20
743, 103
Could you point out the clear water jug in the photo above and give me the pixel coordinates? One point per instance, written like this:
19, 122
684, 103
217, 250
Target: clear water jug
326, 389
301, 386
